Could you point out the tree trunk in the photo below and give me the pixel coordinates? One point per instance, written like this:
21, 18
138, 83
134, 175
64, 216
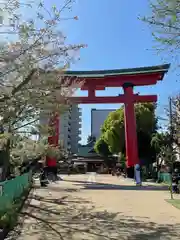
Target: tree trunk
5, 162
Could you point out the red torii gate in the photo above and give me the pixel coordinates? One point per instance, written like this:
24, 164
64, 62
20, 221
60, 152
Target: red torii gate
127, 79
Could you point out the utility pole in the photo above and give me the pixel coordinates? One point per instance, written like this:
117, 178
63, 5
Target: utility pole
171, 126
171, 143
170, 120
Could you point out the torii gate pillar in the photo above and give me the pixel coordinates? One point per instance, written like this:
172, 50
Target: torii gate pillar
130, 126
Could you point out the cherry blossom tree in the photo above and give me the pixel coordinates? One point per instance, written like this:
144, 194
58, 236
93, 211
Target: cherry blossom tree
32, 66
164, 21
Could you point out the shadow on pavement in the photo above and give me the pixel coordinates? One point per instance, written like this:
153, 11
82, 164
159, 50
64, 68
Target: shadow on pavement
73, 219
108, 186
57, 188
61, 201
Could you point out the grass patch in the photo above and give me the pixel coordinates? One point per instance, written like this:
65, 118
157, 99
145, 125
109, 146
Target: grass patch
174, 202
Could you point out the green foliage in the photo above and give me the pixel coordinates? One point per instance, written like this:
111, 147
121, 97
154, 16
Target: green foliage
175, 115
101, 147
165, 23
113, 129
91, 139
9, 219
159, 141
167, 144
24, 149
165, 151
122, 160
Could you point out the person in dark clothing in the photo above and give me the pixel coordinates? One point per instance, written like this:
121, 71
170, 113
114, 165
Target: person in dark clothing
43, 178
175, 182
118, 172
51, 164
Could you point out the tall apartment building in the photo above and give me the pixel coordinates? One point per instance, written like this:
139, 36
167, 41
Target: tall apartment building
75, 128
69, 126
64, 130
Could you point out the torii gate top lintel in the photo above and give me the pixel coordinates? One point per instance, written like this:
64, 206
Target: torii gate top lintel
98, 80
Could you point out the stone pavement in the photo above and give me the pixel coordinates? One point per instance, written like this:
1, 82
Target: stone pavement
113, 208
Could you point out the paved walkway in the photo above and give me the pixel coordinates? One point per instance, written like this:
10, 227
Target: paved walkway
113, 208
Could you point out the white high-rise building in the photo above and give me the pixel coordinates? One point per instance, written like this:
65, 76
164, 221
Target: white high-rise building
69, 128
70, 125
64, 130
75, 127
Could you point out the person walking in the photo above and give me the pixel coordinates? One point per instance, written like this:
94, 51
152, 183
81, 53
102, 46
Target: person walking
137, 175
43, 178
43, 175
51, 164
92, 174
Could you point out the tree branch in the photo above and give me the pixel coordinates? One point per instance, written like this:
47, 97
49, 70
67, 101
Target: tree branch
26, 124
20, 86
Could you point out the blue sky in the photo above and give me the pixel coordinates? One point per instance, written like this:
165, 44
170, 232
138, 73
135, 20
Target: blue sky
116, 39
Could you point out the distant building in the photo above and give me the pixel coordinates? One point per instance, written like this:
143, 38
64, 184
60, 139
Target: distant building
69, 126
75, 127
98, 116
87, 150
64, 130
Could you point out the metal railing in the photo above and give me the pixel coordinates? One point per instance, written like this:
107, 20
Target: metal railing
12, 189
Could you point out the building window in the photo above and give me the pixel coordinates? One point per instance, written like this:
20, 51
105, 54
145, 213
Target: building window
11, 22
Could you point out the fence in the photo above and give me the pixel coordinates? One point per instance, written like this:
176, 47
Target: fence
12, 189
164, 177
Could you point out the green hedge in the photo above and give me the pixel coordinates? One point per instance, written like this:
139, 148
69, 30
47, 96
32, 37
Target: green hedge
12, 189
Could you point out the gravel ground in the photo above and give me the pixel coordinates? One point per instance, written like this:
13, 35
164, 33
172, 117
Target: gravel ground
112, 208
